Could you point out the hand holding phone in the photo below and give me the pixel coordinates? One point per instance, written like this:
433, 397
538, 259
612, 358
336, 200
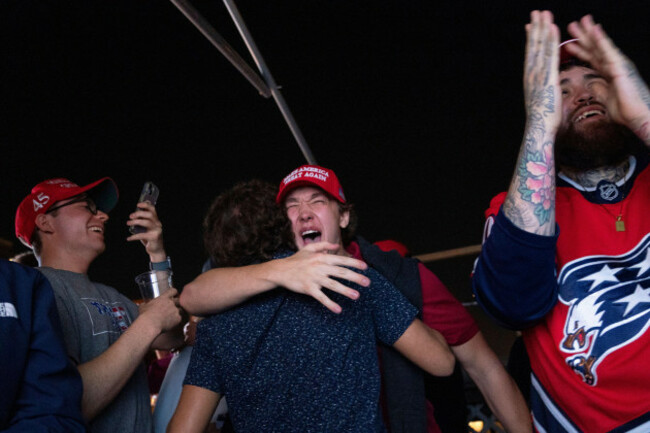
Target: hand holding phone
149, 194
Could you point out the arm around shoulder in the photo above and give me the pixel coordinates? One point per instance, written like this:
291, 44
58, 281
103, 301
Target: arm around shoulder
219, 289
306, 272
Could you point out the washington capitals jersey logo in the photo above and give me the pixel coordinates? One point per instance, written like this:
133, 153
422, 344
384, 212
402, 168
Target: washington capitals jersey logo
609, 306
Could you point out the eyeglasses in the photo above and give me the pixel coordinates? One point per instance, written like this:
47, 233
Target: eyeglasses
90, 204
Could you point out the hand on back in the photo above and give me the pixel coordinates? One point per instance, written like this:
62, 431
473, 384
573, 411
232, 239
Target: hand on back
317, 266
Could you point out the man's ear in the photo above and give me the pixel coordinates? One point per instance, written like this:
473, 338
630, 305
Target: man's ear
344, 219
43, 223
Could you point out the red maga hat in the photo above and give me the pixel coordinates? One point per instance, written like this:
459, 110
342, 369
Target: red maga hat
103, 192
311, 175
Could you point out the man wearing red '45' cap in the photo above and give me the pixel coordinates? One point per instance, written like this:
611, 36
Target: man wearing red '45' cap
106, 337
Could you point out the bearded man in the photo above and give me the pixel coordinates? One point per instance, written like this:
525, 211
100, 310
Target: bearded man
567, 257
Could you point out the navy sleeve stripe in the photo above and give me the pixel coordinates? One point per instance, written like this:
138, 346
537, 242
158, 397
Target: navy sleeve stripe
515, 276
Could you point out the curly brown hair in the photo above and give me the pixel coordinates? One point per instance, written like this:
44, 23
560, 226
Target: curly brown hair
244, 225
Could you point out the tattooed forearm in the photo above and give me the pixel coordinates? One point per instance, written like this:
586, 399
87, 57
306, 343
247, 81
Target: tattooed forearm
536, 172
541, 101
530, 203
515, 214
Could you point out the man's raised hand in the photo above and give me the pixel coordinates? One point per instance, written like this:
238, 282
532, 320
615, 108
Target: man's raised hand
628, 98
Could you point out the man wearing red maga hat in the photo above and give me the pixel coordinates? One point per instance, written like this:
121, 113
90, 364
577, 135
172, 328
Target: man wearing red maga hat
312, 370
105, 335
306, 193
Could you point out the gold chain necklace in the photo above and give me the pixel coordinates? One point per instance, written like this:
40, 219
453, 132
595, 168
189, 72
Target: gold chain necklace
620, 224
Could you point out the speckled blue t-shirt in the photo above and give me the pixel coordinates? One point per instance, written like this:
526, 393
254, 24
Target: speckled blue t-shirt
287, 364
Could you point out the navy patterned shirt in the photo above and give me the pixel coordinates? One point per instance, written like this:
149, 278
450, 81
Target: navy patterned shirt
287, 364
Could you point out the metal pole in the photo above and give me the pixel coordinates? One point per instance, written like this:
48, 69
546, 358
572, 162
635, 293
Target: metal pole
266, 74
449, 254
220, 43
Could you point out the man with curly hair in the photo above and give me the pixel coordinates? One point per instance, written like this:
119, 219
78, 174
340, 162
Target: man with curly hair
308, 193
286, 363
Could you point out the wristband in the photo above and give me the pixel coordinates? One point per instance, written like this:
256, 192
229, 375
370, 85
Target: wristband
161, 266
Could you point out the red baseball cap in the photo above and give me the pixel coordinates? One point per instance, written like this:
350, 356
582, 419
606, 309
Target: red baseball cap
311, 175
43, 196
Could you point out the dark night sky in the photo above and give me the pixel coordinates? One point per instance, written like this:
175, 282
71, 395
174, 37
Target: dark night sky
416, 104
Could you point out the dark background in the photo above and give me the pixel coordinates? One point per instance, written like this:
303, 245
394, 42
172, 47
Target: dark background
415, 104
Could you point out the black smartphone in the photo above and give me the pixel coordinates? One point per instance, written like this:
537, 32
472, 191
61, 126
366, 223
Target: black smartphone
150, 194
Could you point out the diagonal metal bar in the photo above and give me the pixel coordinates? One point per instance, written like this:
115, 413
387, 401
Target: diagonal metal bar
449, 254
220, 43
268, 78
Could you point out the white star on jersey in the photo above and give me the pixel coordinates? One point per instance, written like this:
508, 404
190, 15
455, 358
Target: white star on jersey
644, 265
605, 274
639, 296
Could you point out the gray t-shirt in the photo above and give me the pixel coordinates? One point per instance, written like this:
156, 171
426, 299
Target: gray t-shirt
94, 316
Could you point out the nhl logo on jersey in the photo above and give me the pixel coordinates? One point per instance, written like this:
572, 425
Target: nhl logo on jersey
608, 190
609, 307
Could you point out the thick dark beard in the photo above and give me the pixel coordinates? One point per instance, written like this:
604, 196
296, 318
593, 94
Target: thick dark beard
604, 144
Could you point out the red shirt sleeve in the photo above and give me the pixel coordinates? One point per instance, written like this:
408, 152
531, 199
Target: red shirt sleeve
495, 204
442, 312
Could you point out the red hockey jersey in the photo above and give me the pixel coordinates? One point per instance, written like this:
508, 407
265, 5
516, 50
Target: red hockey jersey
589, 354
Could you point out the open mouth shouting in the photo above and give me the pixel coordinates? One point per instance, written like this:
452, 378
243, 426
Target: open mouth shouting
588, 114
310, 236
